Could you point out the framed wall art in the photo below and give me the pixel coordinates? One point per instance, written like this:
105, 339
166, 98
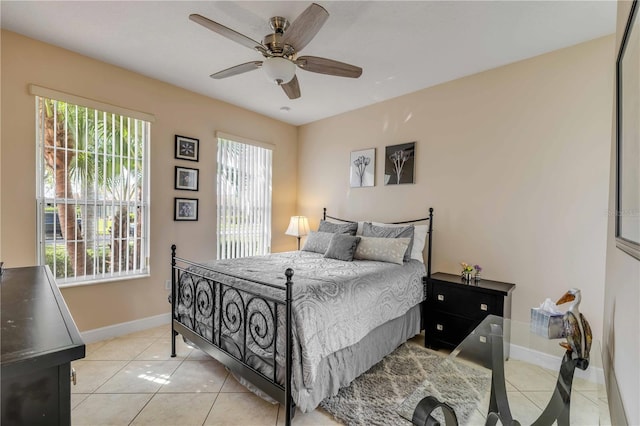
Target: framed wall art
627, 204
399, 163
187, 148
185, 209
186, 178
363, 168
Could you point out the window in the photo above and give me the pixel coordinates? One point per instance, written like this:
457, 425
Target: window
92, 192
244, 198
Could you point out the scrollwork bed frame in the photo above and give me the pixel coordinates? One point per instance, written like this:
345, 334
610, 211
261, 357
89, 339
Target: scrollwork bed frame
232, 311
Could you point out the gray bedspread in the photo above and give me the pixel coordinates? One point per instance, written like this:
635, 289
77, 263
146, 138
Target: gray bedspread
336, 303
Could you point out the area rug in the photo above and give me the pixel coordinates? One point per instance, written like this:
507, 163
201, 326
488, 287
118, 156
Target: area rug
378, 396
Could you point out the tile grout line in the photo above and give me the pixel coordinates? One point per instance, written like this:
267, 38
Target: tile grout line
160, 387
127, 362
154, 394
211, 408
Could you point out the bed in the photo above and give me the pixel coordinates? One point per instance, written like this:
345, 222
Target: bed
294, 327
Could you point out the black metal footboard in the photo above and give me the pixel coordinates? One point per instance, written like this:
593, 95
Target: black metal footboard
237, 325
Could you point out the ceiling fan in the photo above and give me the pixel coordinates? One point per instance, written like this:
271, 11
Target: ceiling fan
281, 49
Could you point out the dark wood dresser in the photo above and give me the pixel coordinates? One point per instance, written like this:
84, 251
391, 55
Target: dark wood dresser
39, 341
453, 308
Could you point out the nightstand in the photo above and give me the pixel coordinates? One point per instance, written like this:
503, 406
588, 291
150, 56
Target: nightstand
453, 308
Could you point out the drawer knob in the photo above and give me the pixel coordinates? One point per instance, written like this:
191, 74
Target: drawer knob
483, 307
441, 297
483, 339
73, 376
439, 327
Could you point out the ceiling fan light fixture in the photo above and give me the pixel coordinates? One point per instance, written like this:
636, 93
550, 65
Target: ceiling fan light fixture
279, 70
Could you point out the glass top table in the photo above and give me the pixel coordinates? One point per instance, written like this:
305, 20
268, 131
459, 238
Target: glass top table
502, 373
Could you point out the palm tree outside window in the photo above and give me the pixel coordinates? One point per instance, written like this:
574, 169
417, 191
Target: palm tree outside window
92, 192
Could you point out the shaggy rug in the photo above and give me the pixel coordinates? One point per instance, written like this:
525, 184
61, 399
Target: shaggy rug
388, 393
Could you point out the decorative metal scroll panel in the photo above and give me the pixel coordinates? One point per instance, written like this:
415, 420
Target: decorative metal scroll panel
243, 324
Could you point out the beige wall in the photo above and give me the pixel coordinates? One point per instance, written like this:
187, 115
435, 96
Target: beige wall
514, 160
621, 303
177, 111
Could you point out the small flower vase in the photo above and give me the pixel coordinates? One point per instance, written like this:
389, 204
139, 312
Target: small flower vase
466, 277
477, 277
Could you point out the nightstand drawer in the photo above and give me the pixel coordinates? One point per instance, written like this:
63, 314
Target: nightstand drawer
463, 301
447, 330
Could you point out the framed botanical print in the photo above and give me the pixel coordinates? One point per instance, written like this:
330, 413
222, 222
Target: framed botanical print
185, 209
363, 168
186, 179
399, 163
186, 148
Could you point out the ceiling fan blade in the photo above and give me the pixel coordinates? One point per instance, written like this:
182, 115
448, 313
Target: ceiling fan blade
305, 27
292, 88
238, 69
328, 66
226, 32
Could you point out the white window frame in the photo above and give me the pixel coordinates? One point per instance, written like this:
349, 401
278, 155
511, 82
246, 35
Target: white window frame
254, 207
140, 209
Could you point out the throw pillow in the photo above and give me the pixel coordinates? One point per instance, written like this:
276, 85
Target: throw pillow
317, 242
370, 230
342, 247
382, 249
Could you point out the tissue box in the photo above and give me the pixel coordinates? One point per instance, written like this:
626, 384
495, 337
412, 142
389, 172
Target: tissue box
546, 324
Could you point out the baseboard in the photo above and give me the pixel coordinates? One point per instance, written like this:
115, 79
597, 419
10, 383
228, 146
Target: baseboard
616, 406
593, 374
108, 332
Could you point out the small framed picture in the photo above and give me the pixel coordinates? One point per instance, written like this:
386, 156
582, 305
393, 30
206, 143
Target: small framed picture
186, 148
363, 167
185, 209
399, 164
186, 179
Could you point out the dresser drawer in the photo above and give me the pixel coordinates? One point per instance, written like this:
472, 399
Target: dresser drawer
463, 301
446, 330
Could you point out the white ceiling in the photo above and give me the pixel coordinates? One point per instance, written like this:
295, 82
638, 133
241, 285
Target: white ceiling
402, 46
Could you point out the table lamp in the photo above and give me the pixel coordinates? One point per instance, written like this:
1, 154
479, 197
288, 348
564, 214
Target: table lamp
298, 227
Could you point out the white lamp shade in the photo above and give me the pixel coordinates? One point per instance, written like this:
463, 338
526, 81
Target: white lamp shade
279, 70
298, 226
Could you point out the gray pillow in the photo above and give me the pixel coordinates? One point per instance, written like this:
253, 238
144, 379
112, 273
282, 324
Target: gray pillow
342, 247
317, 242
338, 228
369, 230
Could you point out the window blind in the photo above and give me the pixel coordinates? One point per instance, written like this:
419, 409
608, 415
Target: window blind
243, 199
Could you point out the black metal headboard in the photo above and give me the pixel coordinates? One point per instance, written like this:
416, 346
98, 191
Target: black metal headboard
325, 216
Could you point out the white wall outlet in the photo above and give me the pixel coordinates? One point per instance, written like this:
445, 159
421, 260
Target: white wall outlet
167, 285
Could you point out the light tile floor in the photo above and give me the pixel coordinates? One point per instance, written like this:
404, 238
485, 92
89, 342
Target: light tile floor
132, 380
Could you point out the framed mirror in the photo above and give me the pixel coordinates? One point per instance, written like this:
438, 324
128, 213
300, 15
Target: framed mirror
627, 212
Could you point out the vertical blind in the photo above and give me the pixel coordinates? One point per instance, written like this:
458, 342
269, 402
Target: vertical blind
92, 192
243, 199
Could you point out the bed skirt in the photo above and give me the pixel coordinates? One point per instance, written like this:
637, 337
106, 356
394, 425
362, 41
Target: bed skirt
341, 368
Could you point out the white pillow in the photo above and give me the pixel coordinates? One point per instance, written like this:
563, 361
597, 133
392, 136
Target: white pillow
383, 249
420, 233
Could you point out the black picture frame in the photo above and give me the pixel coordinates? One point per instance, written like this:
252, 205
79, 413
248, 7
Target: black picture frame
186, 178
399, 164
185, 209
187, 148
627, 191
